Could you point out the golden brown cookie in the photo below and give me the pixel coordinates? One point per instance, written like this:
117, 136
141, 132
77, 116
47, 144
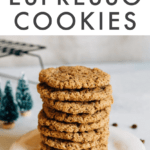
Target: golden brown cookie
74, 95
79, 118
68, 145
76, 77
79, 107
81, 137
70, 127
99, 147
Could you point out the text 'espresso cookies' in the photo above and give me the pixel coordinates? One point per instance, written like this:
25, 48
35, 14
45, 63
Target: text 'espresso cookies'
76, 106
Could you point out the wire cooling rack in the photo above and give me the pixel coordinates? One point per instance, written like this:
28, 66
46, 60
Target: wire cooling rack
9, 48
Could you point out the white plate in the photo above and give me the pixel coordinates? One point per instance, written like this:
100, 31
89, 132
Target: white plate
118, 140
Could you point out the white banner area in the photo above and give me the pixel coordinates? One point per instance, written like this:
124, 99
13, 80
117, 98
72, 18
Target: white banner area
74, 17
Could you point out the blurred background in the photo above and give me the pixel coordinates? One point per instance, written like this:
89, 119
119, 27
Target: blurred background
82, 49
125, 58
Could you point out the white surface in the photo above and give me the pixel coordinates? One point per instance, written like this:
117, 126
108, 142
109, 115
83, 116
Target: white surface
131, 91
121, 140
118, 140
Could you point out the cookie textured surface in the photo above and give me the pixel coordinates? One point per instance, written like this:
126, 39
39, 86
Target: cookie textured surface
99, 147
74, 95
68, 145
79, 107
79, 118
76, 77
75, 137
76, 106
70, 127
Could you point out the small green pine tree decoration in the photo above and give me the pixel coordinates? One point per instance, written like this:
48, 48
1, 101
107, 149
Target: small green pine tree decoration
1, 96
9, 110
23, 95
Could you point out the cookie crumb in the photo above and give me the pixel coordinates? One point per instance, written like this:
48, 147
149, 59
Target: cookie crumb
143, 141
134, 126
115, 124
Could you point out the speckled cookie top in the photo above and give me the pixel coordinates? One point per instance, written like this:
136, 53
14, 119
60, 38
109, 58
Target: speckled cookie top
79, 107
69, 145
98, 147
74, 95
55, 125
79, 118
76, 77
83, 137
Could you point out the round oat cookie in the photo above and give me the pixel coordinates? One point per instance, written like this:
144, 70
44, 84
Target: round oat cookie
79, 118
75, 77
99, 147
70, 127
68, 145
79, 107
74, 95
81, 137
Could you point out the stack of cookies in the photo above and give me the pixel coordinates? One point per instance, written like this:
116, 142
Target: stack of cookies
76, 106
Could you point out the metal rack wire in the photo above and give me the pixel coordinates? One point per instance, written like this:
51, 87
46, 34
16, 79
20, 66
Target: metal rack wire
9, 48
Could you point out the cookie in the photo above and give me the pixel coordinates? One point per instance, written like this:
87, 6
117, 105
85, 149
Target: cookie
76, 77
74, 95
79, 107
99, 147
81, 137
68, 145
79, 118
70, 127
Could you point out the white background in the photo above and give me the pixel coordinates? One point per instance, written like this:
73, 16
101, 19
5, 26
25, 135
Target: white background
8, 13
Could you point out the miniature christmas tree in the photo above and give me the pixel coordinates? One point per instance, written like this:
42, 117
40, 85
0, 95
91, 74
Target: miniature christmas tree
9, 111
23, 96
0, 97
0, 93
